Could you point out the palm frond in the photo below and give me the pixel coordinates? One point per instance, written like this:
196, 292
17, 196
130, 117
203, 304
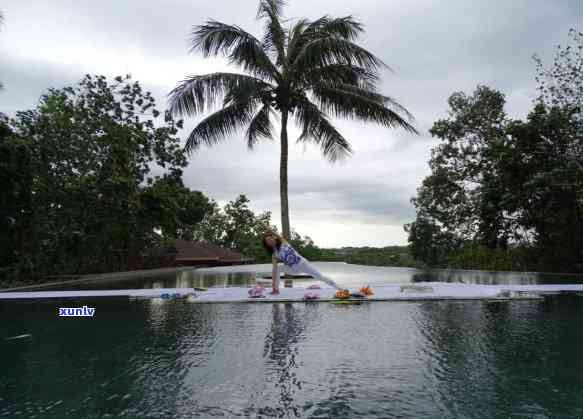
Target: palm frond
214, 38
240, 47
268, 8
316, 128
376, 97
319, 59
296, 39
346, 27
243, 93
329, 50
275, 36
259, 127
223, 123
352, 102
340, 74
196, 94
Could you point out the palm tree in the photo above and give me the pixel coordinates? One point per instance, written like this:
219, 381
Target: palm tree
310, 71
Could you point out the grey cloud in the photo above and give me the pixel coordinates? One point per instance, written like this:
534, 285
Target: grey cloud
435, 48
25, 80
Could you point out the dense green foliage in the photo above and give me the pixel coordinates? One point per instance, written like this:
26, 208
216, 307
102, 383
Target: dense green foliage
309, 71
78, 190
236, 226
507, 194
80, 195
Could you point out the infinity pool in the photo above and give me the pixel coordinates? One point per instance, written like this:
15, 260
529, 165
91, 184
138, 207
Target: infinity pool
174, 359
344, 274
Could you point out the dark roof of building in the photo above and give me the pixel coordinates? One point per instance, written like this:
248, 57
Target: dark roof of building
206, 252
192, 251
225, 255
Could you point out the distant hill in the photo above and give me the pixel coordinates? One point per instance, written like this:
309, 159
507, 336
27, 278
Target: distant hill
374, 256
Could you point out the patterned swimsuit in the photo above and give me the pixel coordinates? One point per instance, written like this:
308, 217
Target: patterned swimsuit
288, 255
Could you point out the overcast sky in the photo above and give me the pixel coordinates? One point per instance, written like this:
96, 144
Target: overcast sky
435, 48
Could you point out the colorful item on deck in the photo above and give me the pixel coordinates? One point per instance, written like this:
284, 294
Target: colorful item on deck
366, 291
256, 292
342, 294
311, 295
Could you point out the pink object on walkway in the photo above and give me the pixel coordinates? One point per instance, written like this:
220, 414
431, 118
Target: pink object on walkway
310, 295
256, 292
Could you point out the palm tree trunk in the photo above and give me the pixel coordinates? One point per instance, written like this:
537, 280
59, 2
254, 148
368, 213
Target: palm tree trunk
283, 177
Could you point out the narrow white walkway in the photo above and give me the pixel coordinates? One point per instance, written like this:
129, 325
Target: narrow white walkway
416, 291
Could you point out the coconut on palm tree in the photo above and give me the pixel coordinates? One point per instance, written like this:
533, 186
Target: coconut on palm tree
310, 72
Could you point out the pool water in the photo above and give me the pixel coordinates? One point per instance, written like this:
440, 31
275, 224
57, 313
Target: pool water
175, 359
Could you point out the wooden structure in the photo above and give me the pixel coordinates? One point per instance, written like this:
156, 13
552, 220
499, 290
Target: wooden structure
206, 254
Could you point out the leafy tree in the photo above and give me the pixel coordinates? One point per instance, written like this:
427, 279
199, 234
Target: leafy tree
546, 187
85, 199
310, 72
502, 186
560, 85
463, 193
173, 209
15, 194
213, 226
236, 227
429, 243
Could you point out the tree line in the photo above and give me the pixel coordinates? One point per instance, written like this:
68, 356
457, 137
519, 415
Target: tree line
92, 181
507, 194
81, 194
92, 176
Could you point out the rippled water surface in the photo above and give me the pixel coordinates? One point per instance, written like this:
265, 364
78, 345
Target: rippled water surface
174, 359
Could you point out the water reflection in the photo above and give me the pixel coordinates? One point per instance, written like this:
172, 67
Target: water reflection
344, 274
487, 277
280, 352
409, 360
491, 357
194, 279
180, 338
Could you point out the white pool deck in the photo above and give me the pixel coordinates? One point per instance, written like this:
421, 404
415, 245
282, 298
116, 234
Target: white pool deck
391, 292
